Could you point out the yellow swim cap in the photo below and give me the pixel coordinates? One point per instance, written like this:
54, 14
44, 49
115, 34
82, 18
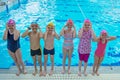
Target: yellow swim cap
50, 25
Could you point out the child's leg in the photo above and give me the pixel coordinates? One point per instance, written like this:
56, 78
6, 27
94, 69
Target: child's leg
45, 63
40, 63
95, 64
35, 67
86, 56
98, 65
19, 59
52, 61
85, 67
15, 60
80, 65
64, 59
69, 59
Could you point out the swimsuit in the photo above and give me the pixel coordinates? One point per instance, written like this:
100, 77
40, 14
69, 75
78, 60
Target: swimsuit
36, 52
51, 52
100, 51
12, 44
68, 40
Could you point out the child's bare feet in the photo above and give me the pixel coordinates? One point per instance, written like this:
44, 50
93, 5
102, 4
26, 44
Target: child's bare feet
69, 72
18, 73
24, 71
85, 74
79, 73
44, 73
93, 73
51, 72
63, 72
35, 72
40, 73
97, 74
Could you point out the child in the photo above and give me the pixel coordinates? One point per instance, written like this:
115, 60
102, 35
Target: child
85, 34
13, 36
49, 46
35, 45
69, 35
100, 51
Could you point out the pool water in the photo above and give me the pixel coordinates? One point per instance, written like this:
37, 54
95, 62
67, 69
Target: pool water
103, 15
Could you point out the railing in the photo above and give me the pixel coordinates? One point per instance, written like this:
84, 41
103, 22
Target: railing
7, 2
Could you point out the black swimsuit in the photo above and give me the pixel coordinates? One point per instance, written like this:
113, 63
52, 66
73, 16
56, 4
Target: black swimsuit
12, 44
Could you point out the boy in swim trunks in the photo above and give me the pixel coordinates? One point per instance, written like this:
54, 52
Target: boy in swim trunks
69, 34
35, 37
100, 51
49, 46
85, 34
13, 44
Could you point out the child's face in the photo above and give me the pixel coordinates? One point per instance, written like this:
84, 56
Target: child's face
103, 36
87, 26
34, 27
11, 26
70, 26
50, 29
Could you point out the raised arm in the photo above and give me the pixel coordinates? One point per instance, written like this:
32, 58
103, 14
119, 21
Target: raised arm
26, 33
40, 33
80, 33
62, 31
74, 32
94, 36
16, 34
5, 33
56, 35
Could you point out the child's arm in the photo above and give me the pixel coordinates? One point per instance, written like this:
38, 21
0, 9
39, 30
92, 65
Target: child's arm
80, 33
25, 33
74, 32
45, 35
40, 33
56, 35
111, 38
62, 31
16, 35
5, 33
94, 36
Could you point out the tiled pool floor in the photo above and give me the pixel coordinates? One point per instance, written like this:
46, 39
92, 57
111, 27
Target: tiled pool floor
106, 74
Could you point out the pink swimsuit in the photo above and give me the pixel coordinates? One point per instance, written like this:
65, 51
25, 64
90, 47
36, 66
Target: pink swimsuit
68, 40
100, 51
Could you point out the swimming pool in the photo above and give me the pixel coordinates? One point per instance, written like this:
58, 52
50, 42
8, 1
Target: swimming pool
103, 15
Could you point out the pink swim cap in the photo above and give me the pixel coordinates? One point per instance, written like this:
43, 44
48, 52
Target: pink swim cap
103, 32
69, 22
11, 22
86, 21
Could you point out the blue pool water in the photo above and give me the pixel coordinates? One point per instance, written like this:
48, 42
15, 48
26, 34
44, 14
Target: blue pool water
103, 15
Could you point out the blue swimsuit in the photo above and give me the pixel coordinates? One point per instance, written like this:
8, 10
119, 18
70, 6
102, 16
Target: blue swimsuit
12, 44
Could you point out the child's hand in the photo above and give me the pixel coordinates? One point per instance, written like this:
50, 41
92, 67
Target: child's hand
29, 28
117, 36
7, 28
39, 29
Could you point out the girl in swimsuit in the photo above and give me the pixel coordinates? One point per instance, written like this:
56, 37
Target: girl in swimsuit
12, 36
100, 51
69, 34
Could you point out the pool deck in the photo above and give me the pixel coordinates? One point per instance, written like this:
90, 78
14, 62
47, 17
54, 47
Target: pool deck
106, 74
